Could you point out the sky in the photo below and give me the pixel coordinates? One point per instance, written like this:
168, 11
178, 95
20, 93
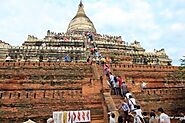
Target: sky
156, 24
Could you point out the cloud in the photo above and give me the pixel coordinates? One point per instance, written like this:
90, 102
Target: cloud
167, 14
31, 17
178, 27
156, 24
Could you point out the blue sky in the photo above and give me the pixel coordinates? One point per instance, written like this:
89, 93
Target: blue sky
155, 23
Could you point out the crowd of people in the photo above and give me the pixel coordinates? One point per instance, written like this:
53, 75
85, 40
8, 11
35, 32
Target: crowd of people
128, 108
129, 115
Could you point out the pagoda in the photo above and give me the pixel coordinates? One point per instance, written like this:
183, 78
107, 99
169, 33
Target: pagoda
81, 23
74, 43
35, 80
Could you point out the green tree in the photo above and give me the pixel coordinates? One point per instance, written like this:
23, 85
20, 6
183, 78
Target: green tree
177, 75
182, 63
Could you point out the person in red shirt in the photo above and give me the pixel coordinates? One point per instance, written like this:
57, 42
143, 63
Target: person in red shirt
120, 80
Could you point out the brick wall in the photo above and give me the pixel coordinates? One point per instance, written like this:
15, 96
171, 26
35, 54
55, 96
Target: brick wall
35, 90
158, 92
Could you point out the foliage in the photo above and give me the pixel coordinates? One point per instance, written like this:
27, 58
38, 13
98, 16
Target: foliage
182, 63
179, 74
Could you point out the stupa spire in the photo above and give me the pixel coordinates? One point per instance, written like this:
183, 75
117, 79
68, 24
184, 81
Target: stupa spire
81, 22
80, 9
81, 4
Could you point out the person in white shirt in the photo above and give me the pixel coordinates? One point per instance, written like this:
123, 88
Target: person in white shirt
138, 111
182, 119
164, 118
50, 120
136, 118
111, 78
112, 118
128, 94
131, 102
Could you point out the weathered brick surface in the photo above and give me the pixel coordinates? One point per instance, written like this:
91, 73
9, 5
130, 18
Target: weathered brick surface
157, 93
171, 99
35, 90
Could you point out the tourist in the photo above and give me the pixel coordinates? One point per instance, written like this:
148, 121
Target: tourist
119, 84
124, 89
128, 94
90, 35
143, 85
115, 86
71, 59
125, 108
76, 59
182, 119
50, 120
106, 70
112, 117
137, 118
97, 54
97, 60
120, 119
163, 118
132, 103
93, 60
146, 117
92, 50
103, 61
153, 111
88, 59
58, 59
108, 60
138, 110
66, 58
111, 79
153, 118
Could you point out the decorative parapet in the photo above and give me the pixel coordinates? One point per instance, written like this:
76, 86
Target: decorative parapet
31, 38
136, 44
4, 45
